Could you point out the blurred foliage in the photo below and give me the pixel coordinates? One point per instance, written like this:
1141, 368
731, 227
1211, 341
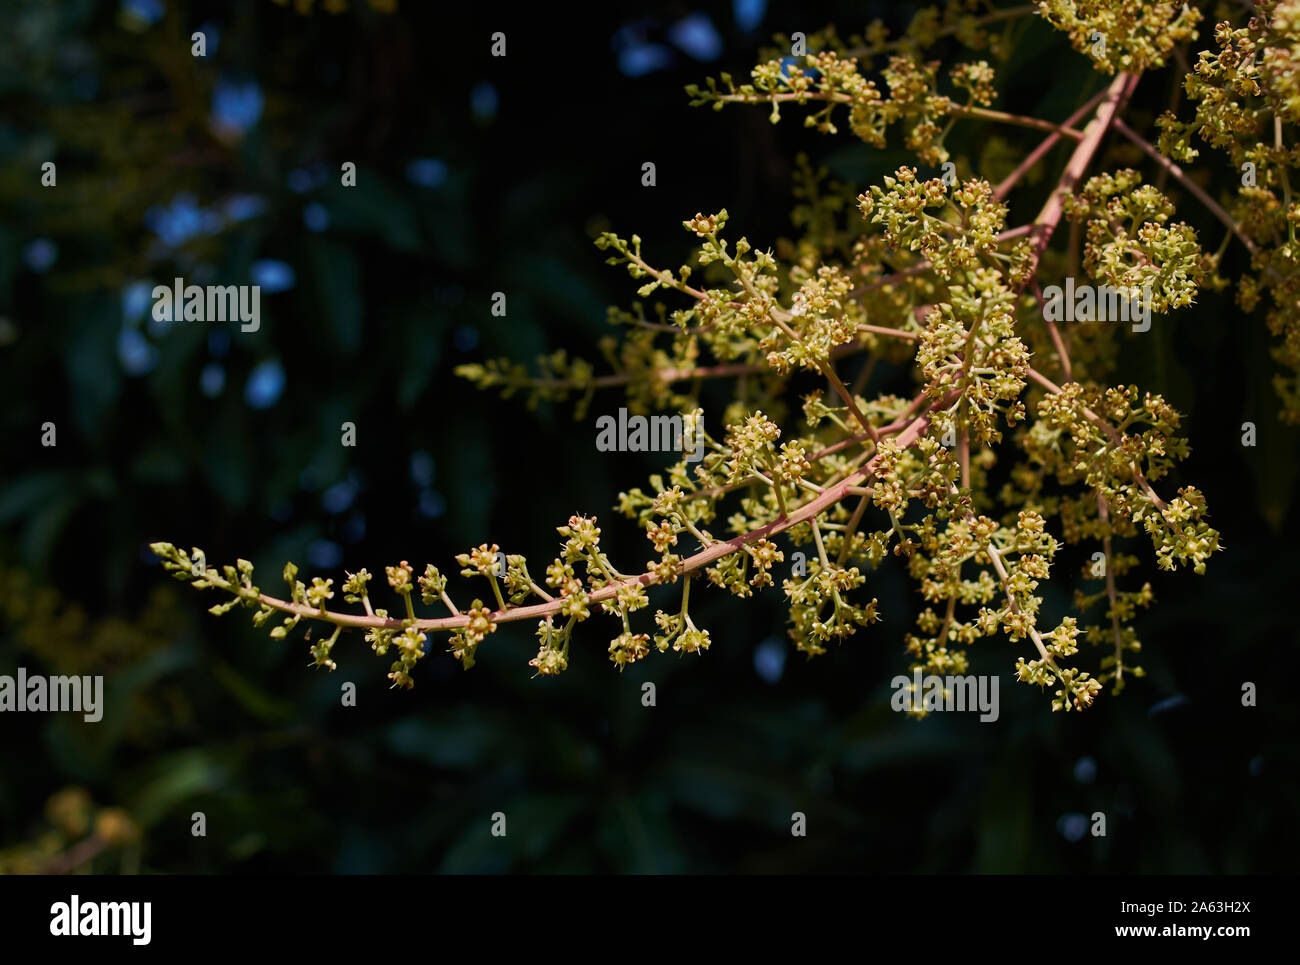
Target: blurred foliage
478, 175
76, 833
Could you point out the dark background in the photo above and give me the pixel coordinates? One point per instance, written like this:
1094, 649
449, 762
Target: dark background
187, 434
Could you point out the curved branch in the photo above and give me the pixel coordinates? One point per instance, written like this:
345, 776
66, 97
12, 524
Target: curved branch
708, 555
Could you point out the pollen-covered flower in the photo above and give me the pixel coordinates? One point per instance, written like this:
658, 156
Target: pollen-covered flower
319, 592
549, 661
399, 577
480, 623
628, 648
483, 561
